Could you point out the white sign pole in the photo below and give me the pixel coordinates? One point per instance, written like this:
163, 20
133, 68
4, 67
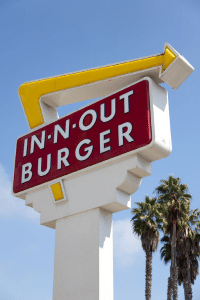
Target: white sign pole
83, 266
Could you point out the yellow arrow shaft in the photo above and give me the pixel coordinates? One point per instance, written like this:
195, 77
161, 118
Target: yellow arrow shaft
31, 92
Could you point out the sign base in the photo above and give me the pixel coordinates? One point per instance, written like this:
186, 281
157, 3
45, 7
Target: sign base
84, 257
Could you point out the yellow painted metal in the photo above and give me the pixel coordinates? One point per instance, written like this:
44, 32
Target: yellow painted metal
169, 57
31, 92
57, 191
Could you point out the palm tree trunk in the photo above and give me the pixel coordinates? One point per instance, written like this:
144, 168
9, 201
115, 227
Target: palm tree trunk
187, 291
148, 274
175, 283
174, 269
189, 278
169, 289
185, 286
173, 249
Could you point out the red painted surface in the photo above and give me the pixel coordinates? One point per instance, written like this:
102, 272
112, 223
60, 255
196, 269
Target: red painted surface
138, 116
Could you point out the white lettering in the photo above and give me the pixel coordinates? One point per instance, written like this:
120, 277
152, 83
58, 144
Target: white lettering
25, 147
91, 112
63, 158
43, 173
126, 135
113, 111
64, 133
126, 101
26, 169
34, 139
87, 149
104, 141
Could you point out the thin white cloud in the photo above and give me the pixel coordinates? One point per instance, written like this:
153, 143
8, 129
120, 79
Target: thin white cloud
127, 246
10, 206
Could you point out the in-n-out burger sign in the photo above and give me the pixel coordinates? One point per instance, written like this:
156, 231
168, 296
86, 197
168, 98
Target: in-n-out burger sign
80, 169
107, 128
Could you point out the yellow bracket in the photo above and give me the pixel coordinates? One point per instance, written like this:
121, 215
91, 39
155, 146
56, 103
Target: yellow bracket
31, 92
57, 191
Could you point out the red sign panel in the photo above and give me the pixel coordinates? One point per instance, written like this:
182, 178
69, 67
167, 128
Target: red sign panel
105, 129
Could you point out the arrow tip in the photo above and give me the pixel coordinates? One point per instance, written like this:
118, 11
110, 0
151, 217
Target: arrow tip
169, 57
175, 68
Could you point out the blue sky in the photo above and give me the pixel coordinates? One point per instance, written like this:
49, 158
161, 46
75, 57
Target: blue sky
43, 38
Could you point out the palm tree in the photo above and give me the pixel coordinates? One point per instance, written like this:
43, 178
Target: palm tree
165, 252
174, 203
182, 263
144, 224
189, 251
192, 249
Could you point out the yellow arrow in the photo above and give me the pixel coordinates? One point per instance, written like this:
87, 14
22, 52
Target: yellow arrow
31, 92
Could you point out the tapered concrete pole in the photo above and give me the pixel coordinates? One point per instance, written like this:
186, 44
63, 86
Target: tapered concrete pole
84, 257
